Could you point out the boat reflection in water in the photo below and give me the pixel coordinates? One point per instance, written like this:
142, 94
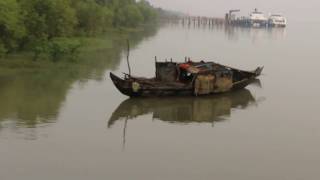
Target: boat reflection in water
184, 110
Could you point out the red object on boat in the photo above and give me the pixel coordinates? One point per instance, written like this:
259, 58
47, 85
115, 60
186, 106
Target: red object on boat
184, 66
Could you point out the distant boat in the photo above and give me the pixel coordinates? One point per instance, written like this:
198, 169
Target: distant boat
277, 20
257, 19
186, 79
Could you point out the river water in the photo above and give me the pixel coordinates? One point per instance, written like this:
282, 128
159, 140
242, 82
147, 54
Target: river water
57, 125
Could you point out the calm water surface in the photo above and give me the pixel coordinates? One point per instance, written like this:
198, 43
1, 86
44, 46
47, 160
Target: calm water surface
53, 127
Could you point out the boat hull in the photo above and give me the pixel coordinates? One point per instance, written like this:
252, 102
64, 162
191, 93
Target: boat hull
280, 25
145, 90
258, 23
126, 87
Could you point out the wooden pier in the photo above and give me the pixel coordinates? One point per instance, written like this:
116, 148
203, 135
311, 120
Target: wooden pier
196, 21
230, 19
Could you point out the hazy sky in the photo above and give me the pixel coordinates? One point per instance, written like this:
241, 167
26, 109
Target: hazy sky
295, 10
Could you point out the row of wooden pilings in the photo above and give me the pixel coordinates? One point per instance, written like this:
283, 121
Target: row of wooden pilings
196, 21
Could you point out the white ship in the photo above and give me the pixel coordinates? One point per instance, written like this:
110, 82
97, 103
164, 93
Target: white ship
277, 20
258, 19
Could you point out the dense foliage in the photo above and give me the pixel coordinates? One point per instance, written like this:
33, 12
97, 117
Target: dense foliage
37, 24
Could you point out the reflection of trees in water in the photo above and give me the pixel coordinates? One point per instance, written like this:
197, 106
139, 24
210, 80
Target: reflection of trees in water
32, 99
207, 109
28, 99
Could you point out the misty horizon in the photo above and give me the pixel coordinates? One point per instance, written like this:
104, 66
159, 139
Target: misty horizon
295, 11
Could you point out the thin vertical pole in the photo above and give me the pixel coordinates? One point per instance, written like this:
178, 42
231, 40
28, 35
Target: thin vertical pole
128, 54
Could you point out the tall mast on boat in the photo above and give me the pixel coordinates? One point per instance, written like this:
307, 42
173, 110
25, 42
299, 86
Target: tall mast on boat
128, 54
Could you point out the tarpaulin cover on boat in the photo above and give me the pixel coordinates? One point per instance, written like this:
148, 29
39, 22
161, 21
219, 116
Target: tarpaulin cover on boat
223, 84
204, 84
207, 84
189, 68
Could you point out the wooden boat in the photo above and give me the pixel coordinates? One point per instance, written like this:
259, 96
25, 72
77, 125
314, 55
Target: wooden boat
186, 79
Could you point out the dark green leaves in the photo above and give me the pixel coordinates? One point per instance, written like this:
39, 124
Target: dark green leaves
28, 24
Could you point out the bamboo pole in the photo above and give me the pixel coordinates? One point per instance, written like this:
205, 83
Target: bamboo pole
128, 54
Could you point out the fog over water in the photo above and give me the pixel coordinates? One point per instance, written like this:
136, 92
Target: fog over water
73, 124
295, 10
